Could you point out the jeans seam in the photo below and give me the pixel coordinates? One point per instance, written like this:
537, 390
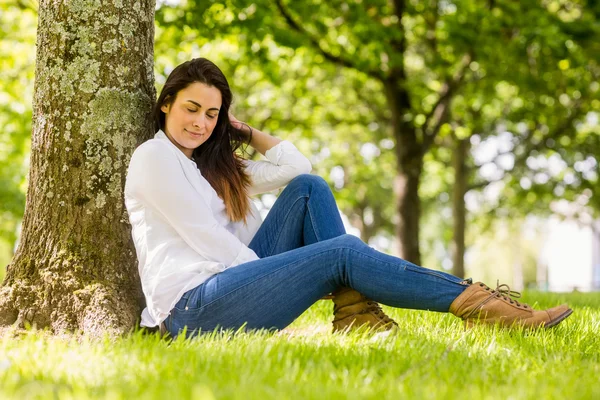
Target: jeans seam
267, 274
201, 286
405, 266
186, 300
304, 259
402, 264
432, 273
185, 308
271, 249
312, 221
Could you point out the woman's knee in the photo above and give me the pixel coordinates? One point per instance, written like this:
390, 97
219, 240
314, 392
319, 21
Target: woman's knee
315, 182
348, 240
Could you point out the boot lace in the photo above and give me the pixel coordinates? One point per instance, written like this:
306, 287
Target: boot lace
376, 309
503, 291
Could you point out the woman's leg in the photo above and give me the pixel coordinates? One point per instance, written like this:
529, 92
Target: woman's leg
257, 293
304, 213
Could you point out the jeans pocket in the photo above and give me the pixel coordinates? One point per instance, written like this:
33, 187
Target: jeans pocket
191, 300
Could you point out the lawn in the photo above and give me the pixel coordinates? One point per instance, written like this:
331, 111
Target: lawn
431, 356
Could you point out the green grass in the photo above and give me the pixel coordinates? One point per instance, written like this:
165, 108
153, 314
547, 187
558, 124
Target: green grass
431, 356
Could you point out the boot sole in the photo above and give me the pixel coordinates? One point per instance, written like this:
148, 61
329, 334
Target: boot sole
559, 319
472, 323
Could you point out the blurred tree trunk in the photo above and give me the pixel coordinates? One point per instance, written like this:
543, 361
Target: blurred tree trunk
409, 151
368, 220
75, 267
406, 185
459, 212
412, 142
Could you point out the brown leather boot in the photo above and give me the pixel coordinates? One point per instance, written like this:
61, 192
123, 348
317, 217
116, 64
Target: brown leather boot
479, 303
351, 310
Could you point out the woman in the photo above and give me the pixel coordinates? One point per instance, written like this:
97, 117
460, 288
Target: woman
206, 259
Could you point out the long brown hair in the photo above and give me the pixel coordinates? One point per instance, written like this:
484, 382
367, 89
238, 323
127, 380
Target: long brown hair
216, 158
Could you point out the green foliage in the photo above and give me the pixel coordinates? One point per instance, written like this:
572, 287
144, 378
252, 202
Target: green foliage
549, 97
531, 89
430, 357
330, 113
534, 68
17, 58
526, 57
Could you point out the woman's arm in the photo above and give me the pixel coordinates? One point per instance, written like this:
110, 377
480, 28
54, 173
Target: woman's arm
284, 162
263, 141
260, 141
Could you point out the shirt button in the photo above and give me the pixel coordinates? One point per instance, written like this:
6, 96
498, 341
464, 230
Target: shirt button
186, 308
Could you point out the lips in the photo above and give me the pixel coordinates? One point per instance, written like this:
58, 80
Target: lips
194, 133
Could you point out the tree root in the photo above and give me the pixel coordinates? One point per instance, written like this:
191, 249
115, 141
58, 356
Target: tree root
100, 311
8, 314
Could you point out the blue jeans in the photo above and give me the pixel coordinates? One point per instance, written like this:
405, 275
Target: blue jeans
305, 254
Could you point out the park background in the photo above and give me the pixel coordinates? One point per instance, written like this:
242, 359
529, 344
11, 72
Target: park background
494, 138
509, 176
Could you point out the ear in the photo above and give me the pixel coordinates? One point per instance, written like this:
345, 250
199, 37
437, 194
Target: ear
165, 108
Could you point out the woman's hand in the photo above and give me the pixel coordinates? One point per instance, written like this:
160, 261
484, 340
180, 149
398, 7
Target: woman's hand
238, 124
258, 140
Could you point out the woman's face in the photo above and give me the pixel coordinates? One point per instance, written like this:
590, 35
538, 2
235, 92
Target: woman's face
192, 116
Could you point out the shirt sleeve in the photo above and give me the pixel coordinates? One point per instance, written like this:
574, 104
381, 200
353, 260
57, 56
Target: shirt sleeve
284, 162
156, 178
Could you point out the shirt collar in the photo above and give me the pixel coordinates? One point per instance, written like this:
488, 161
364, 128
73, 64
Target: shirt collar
161, 135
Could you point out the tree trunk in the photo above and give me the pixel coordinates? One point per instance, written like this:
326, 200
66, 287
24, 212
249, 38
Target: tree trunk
409, 209
367, 231
75, 267
409, 153
459, 212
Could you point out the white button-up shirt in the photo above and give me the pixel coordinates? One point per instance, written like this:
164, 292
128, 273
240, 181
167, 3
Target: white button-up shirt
179, 225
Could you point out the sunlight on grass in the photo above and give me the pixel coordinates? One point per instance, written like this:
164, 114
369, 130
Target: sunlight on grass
431, 356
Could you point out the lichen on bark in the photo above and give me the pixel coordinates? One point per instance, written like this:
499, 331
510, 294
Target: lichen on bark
111, 111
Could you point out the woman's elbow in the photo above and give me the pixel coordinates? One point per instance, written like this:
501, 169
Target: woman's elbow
305, 167
295, 170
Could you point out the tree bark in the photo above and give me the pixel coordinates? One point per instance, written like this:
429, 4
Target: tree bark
410, 150
459, 212
75, 268
409, 209
409, 153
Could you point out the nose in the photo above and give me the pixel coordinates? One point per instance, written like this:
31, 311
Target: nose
199, 120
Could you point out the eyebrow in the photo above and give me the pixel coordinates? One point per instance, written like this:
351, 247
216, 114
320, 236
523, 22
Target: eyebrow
199, 106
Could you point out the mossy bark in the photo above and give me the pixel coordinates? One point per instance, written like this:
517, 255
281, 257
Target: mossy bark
75, 268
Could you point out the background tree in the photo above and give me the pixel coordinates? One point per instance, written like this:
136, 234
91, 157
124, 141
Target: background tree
17, 62
384, 42
444, 47
543, 88
332, 114
525, 59
75, 267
